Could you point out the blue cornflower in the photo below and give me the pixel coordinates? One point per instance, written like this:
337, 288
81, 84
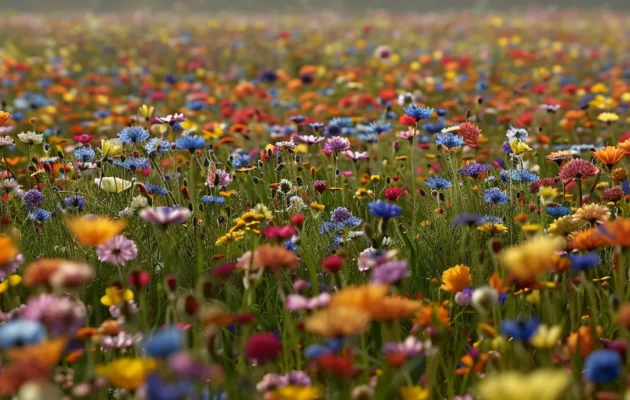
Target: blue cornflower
435, 182
133, 134
240, 160
290, 245
327, 227
268, 76
466, 219
418, 112
39, 215
379, 128
340, 214
343, 122
33, 198
520, 329
190, 143
85, 154
506, 147
158, 145
368, 137
449, 140
489, 219
383, 209
316, 126
209, 199
332, 130
77, 202
584, 262
316, 350
164, 342
155, 189
518, 175
161, 390
474, 169
602, 366
557, 211
495, 196
196, 105
21, 332
133, 163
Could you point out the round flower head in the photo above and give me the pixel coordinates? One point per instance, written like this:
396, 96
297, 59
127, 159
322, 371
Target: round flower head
165, 215
418, 112
474, 169
470, 132
336, 144
31, 138
495, 196
602, 366
33, 198
383, 209
117, 250
133, 134
449, 140
190, 143
390, 272
577, 169
516, 134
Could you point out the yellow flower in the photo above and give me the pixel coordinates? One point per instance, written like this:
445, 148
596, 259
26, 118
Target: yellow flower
607, 117
262, 209
547, 194
519, 147
533, 298
494, 229
116, 295
127, 373
532, 257
531, 228
111, 184
599, 88
93, 230
12, 281
375, 178
230, 237
362, 193
317, 206
8, 251
456, 279
293, 392
546, 337
542, 384
414, 393
146, 111
111, 147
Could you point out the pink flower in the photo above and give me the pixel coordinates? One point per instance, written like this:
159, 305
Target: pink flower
577, 169
117, 250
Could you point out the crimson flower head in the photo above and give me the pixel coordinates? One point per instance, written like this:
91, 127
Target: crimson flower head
320, 186
224, 270
577, 169
83, 138
298, 220
279, 232
332, 264
394, 193
139, 279
262, 347
470, 132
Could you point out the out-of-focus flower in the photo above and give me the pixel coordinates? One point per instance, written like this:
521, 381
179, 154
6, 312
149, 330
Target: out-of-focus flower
532, 257
127, 373
165, 215
546, 337
602, 366
111, 184
542, 384
93, 230
262, 347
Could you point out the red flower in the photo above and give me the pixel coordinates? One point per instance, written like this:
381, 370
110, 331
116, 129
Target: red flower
263, 347
394, 193
407, 120
470, 132
337, 364
139, 279
332, 264
224, 270
298, 220
576, 169
279, 232
83, 138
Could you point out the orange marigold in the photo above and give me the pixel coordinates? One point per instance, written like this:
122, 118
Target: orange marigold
456, 279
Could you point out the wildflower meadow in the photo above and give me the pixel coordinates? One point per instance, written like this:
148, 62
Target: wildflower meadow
297, 207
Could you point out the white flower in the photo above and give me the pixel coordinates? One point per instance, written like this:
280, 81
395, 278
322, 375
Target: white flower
31, 137
6, 141
111, 184
139, 202
484, 298
516, 134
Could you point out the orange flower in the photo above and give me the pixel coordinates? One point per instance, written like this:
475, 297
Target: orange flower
472, 364
614, 233
359, 297
269, 257
498, 284
338, 322
92, 231
625, 146
391, 308
429, 313
587, 240
4, 117
456, 279
583, 340
48, 351
40, 271
8, 251
609, 155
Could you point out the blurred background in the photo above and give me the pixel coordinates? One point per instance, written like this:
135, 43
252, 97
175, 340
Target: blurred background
299, 5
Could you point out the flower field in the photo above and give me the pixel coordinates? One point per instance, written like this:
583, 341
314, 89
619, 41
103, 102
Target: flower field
300, 207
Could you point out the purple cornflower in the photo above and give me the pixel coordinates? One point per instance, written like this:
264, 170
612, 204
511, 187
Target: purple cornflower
60, 315
121, 341
341, 214
33, 198
390, 272
474, 169
185, 366
117, 250
336, 144
165, 215
309, 139
466, 219
298, 378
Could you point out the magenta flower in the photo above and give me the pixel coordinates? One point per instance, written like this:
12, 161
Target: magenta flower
60, 315
337, 144
356, 155
117, 250
309, 139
